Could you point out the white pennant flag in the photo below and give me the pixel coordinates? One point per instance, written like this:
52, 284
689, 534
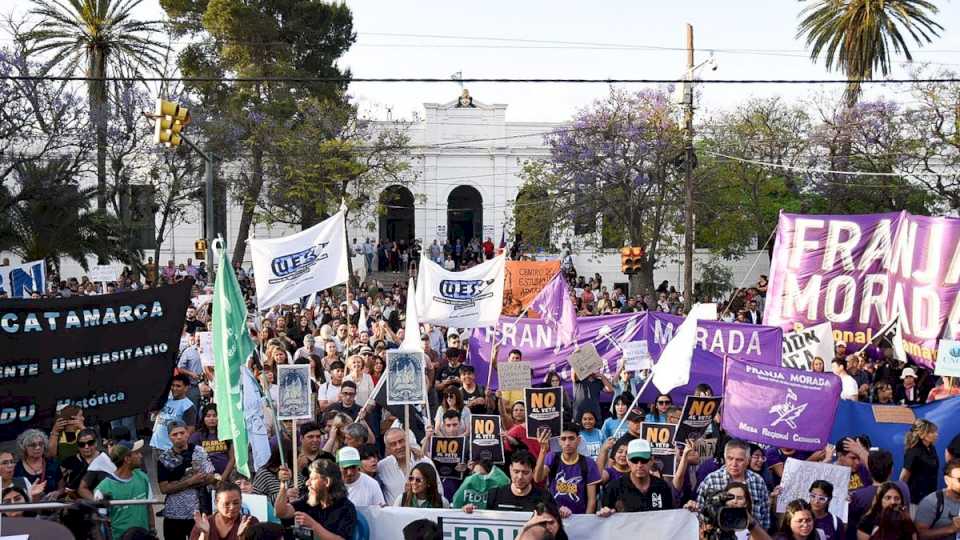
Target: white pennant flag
291, 267
673, 368
362, 323
411, 328
468, 299
892, 331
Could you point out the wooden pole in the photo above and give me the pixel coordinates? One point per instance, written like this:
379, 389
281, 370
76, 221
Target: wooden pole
406, 430
296, 461
689, 223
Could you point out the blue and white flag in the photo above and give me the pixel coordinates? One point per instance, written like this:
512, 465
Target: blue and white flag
468, 299
22, 280
289, 268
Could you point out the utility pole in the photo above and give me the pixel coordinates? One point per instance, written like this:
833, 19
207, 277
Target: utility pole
211, 234
688, 180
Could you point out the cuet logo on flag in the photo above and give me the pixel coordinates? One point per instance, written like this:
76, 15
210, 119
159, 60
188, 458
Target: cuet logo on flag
463, 293
294, 264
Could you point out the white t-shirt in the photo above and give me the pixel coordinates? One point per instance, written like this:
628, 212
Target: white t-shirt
394, 479
365, 492
364, 386
849, 388
328, 392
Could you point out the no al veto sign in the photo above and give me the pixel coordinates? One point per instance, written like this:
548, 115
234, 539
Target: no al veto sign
948, 358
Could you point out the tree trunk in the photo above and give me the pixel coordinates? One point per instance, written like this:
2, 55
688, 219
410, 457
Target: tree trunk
250, 199
97, 90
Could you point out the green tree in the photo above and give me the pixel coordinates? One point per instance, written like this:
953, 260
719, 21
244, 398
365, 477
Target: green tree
100, 38
934, 127
859, 37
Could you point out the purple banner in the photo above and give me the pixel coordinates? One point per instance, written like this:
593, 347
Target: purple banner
779, 406
858, 271
750, 342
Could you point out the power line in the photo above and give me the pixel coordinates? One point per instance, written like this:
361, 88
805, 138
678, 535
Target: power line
826, 171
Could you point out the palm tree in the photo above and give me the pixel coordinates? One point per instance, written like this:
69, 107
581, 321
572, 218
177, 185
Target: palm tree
856, 36
104, 38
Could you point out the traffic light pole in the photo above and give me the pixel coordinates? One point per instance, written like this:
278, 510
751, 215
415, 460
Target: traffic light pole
210, 177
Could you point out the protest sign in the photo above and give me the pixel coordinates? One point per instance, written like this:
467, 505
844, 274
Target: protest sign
778, 406
111, 355
799, 474
513, 375
103, 273
294, 397
698, 413
660, 436
544, 409
406, 378
801, 346
585, 361
485, 441
466, 299
858, 271
948, 358
22, 280
523, 280
447, 453
636, 356
205, 347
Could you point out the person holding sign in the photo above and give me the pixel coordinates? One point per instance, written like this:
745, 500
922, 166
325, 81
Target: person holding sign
586, 393
639, 491
571, 476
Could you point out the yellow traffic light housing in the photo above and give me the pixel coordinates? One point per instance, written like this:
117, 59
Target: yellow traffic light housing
169, 120
630, 259
200, 249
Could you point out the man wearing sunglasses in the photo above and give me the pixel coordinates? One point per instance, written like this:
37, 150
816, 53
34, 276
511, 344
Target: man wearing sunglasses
639, 491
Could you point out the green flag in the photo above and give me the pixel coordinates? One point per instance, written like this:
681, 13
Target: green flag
231, 347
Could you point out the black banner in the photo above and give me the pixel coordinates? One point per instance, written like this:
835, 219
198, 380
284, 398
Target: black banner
447, 453
485, 440
544, 410
698, 413
111, 355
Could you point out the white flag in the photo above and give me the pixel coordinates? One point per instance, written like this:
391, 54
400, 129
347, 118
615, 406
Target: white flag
892, 331
468, 299
411, 328
362, 323
286, 269
673, 368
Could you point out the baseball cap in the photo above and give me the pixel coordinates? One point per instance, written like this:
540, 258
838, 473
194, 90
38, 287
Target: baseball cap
841, 344
639, 448
366, 350
132, 446
348, 456
636, 414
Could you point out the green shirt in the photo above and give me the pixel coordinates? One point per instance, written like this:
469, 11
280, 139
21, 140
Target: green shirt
474, 489
127, 516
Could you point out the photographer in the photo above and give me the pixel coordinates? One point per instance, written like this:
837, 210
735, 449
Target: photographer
717, 522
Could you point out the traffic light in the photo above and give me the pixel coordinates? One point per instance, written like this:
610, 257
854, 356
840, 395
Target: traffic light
200, 249
630, 259
169, 120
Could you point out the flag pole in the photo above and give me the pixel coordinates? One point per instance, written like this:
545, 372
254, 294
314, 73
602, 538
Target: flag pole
296, 461
634, 404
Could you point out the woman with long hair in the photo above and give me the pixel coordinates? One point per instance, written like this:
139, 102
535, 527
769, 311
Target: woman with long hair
379, 366
887, 518
832, 527
552, 380
421, 490
818, 365
452, 401
611, 469
921, 463
615, 427
797, 523
739, 495
356, 372
206, 436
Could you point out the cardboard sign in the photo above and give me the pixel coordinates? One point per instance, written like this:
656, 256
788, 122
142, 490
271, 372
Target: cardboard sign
585, 361
205, 346
485, 440
406, 379
948, 358
799, 474
447, 453
523, 280
698, 413
544, 409
893, 414
294, 395
660, 436
514, 375
636, 356
103, 273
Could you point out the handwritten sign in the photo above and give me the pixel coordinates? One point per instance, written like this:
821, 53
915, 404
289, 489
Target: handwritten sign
485, 440
514, 375
544, 409
585, 361
103, 273
636, 356
799, 474
205, 346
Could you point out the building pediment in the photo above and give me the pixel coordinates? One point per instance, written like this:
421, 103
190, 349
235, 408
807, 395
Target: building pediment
464, 102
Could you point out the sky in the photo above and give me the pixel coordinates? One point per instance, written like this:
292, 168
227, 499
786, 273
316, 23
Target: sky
567, 39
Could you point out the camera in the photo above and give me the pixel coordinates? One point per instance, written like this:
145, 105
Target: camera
302, 533
721, 522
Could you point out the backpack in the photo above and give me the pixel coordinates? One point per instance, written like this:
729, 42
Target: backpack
939, 511
555, 467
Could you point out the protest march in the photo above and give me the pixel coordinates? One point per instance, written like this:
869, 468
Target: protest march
493, 399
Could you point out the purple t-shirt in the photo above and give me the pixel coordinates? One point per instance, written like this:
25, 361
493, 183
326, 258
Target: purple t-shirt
831, 527
568, 486
613, 474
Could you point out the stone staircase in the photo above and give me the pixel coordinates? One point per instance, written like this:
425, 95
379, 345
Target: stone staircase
387, 278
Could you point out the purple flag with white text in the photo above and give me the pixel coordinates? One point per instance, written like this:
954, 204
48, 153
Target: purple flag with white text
778, 406
555, 308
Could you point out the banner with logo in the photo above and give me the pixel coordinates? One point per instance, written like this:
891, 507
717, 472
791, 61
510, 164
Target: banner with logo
777, 406
544, 410
523, 280
289, 268
467, 299
496, 525
698, 414
485, 440
857, 271
750, 342
111, 355
801, 346
948, 358
22, 280
447, 453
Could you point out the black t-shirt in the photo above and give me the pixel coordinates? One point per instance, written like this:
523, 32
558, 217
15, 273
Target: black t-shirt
193, 326
478, 392
351, 411
74, 467
502, 498
448, 372
623, 496
340, 518
924, 465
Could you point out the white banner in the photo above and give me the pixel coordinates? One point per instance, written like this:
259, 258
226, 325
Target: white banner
289, 268
22, 280
387, 523
801, 346
468, 299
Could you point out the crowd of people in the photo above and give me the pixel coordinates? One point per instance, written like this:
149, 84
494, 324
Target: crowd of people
356, 452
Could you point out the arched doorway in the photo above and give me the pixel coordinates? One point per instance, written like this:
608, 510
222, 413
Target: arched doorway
464, 215
396, 219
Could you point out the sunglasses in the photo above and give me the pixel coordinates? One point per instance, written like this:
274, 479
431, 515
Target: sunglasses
84, 444
636, 460
664, 402
349, 393
415, 479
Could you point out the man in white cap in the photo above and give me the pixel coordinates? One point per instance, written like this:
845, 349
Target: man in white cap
362, 490
909, 393
638, 491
